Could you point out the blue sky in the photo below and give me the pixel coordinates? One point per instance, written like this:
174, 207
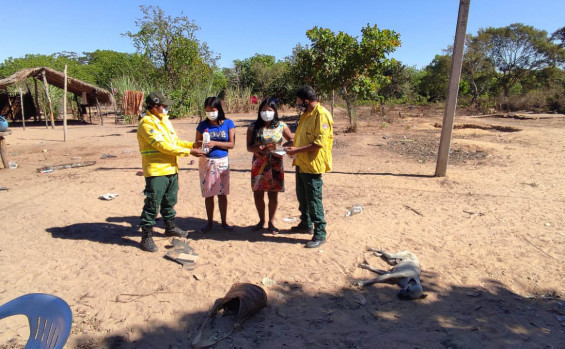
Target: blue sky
239, 29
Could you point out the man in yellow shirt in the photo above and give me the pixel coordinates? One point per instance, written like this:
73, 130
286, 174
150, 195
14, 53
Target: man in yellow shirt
312, 148
160, 147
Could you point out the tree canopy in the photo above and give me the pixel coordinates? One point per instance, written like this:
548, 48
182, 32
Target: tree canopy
500, 64
515, 50
184, 66
344, 63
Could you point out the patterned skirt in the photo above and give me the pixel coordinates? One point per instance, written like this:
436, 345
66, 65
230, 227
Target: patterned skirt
267, 173
214, 176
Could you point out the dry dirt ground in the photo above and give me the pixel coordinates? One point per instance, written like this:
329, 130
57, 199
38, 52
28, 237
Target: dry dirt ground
490, 237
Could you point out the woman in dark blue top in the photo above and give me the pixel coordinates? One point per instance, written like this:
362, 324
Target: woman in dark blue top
214, 168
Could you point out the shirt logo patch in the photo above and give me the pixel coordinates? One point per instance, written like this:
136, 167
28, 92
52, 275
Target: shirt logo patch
325, 126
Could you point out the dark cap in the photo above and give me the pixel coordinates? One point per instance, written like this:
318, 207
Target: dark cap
158, 98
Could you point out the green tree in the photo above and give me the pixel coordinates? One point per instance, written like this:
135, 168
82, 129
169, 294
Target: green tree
260, 73
109, 65
559, 34
55, 61
401, 81
300, 71
434, 79
192, 78
476, 67
344, 63
12, 65
185, 66
515, 50
246, 71
169, 42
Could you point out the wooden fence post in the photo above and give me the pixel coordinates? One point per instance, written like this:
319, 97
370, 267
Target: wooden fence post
99, 110
48, 100
11, 109
22, 107
36, 99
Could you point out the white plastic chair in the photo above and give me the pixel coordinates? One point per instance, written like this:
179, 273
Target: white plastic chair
50, 319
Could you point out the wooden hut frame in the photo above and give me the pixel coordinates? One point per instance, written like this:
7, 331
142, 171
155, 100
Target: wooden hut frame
95, 95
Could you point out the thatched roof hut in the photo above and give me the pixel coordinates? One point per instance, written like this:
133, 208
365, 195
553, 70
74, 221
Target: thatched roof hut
57, 79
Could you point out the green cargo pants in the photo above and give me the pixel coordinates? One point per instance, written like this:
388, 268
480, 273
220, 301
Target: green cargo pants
160, 191
309, 195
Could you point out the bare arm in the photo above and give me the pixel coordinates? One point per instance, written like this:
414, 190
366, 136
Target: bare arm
198, 137
289, 136
306, 148
257, 148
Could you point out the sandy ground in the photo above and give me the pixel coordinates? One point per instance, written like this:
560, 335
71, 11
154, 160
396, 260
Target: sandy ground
490, 237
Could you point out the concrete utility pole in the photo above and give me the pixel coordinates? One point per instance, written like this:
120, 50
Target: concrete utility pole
65, 105
453, 89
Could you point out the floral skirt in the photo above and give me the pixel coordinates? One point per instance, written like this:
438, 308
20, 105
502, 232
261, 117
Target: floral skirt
214, 176
267, 173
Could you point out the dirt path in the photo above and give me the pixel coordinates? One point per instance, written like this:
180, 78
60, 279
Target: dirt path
490, 237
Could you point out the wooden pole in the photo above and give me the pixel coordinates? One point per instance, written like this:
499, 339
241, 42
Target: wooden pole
79, 109
114, 104
36, 99
65, 105
44, 109
48, 100
22, 107
29, 91
453, 88
99, 111
11, 109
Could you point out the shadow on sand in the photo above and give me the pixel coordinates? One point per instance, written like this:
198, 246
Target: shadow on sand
113, 231
464, 317
458, 317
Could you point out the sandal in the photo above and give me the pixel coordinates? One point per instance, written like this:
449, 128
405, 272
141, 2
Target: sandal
258, 226
273, 229
227, 227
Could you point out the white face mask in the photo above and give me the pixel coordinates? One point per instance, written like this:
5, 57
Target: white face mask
212, 115
165, 110
267, 115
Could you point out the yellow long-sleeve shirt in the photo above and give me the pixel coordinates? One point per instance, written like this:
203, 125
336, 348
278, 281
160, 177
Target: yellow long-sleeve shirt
159, 145
315, 127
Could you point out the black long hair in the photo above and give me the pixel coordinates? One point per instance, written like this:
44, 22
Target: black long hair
215, 102
260, 123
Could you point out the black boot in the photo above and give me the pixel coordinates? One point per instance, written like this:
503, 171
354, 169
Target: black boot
172, 230
147, 243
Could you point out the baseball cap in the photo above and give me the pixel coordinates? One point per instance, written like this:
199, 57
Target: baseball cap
158, 98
